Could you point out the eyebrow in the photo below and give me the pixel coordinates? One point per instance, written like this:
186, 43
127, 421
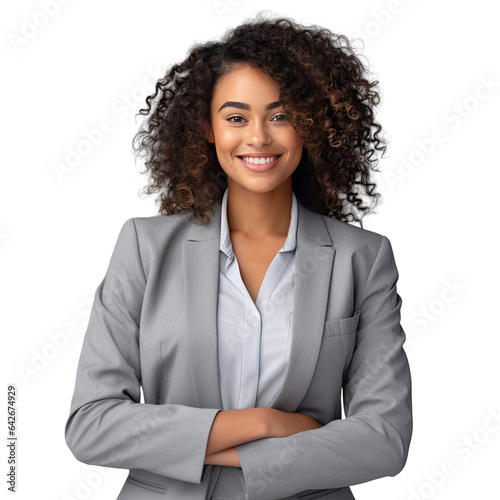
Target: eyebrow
244, 105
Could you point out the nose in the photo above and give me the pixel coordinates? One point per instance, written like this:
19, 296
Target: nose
258, 135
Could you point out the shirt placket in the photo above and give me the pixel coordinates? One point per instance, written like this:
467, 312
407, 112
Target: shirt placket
254, 324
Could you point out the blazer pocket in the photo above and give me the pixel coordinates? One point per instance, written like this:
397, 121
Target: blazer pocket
146, 485
342, 326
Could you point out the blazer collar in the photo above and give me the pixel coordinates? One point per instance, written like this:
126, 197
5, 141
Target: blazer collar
313, 263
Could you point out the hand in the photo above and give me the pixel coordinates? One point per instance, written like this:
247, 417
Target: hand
233, 427
283, 424
227, 457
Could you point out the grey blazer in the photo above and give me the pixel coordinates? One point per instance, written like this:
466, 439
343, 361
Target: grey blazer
153, 323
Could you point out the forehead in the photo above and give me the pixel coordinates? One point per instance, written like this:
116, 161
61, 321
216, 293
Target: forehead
245, 83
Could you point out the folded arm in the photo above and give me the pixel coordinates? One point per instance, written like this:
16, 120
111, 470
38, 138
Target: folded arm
373, 440
107, 425
110, 427
233, 427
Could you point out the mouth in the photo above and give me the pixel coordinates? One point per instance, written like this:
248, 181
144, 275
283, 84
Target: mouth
259, 160
259, 163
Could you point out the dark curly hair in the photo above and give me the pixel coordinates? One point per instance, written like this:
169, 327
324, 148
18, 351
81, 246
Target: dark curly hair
324, 90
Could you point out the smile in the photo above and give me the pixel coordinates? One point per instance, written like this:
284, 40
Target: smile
259, 163
260, 160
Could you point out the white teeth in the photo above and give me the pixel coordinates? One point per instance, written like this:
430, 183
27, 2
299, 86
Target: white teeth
259, 161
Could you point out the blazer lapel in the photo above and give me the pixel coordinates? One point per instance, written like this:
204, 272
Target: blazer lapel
314, 254
201, 271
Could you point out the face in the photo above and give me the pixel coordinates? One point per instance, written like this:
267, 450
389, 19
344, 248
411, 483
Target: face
256, 145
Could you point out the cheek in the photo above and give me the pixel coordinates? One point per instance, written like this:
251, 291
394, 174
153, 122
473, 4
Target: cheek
229, 136
225, 144
226, 140
293, 141
297, 146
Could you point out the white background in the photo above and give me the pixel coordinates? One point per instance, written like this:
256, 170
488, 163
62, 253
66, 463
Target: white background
90, 61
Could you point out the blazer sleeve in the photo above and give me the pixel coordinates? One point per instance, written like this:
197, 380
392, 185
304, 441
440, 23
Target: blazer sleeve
373, 440
108, 425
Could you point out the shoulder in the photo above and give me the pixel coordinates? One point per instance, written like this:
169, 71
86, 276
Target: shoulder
150, 235
155, 222
148, 239
347, 237
157, 226
362, 248
368, 255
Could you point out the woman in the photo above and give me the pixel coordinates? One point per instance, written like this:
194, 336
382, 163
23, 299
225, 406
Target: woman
247, 306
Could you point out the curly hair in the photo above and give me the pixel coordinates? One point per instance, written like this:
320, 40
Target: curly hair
325, 91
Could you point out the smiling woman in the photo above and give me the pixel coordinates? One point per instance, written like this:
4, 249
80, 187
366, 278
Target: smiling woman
250, 310
326, 95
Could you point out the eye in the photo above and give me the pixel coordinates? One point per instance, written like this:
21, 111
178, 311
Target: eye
235, 119
280, 117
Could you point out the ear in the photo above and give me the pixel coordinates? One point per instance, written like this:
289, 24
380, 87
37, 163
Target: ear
209, 133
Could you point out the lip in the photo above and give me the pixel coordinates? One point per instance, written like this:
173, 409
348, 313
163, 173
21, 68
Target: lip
260, 168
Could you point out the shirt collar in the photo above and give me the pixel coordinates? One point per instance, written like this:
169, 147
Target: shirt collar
225, 239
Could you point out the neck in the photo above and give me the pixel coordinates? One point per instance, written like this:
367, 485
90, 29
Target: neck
259, 215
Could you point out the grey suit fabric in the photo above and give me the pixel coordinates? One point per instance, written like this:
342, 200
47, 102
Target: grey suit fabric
153, 323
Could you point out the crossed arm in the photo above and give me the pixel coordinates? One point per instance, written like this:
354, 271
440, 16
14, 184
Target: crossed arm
231, 428
106, 425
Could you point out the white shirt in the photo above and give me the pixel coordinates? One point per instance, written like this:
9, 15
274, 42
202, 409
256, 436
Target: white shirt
254, 338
